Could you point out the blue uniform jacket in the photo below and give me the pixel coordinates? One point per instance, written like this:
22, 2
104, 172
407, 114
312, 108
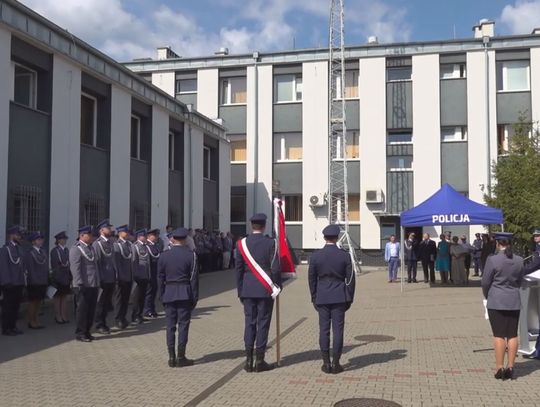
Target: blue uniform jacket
178, 275
105, 260
140, 261
38, 267
123, 255
263, 250
501, 280
83, 266
60, 265
330, 269
12, 265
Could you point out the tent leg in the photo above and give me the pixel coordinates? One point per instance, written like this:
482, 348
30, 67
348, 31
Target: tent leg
402, 255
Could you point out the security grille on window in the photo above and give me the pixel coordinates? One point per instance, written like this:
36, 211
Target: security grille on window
27, 207
139, 218
292, 208
233, 91
238, 208
399, 137
25, 86
351, 85
287, 147
513, 76
399, 163
93, 210
397, 74
186, 86
207, 163
88, 120
135, 137
453, 71
238, 149
287, 88
449, 134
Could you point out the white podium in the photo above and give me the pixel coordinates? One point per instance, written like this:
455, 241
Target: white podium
530, 314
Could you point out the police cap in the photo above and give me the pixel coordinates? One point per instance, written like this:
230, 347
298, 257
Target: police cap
331, 231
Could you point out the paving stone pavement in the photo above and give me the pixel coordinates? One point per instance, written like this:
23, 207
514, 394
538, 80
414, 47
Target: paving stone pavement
416, 349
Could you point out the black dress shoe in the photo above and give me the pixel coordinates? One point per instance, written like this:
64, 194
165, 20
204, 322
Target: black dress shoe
509, 373
500, 374
9, 333
30, 326
17, 331
81, 338
90, 337
59, 321
414, 280
105, 330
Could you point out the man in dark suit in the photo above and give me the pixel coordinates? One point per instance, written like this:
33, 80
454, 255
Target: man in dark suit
178, 277
154, 251
427, 252
140, 265
123, 255
258, 279
85, 273
332, 285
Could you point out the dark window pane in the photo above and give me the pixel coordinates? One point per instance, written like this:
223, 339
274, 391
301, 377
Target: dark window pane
178, 152
399, 74
135, 138
87, 121
293, 208
206, 163
238, 208
25, 86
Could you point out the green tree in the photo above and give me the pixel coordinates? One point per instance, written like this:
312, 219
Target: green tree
516, 186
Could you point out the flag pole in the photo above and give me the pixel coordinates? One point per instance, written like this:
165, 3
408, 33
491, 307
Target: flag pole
278, 334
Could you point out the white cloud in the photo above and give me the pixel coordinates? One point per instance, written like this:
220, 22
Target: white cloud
263, 25
521, 17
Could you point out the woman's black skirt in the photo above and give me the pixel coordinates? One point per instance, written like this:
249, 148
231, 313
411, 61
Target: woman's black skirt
36, 292
62, 289
504, 323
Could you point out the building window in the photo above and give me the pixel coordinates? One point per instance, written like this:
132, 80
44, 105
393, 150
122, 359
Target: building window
449, 134
185, 86
27, 207
233, 91
88, 120
93, 209
402, 73
399, 162
351, 85
292, 208
238, 149
25, 86
453, 71
513, 76
505, 133
288, 88
140, 216
172, 165
353, 145
135, 137
399, 137
238, 208
207, 163
287, 147
353, 208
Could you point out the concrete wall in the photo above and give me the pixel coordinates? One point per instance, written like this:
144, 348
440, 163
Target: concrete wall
224, 187
372, 83
193, 177
208, 92
315, 146
6, 93
120, 156
165, 81
159, 210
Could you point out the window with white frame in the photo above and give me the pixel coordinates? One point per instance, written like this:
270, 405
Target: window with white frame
186, 86
450, 134
233, 91
287, 147
397, 74
399, 137
351, 85
238, 148
353, 145
399, 163
288, 88
88, 120
292, 208
25, 86
135, 137
353, 208
453, 71
207, 163
513, 76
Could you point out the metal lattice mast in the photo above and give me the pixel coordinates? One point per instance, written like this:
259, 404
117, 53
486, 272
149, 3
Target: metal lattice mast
338, 196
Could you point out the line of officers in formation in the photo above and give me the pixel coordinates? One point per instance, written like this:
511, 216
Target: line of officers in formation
99, 270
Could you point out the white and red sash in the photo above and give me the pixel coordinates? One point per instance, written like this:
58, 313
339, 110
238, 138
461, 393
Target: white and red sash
257, 270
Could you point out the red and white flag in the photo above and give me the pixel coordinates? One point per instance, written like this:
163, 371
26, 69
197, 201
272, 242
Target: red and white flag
288, 269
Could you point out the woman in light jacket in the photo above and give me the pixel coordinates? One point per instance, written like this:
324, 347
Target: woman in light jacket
501, 280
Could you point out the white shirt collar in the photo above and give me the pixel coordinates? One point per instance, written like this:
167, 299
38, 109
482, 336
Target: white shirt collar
38, 249
80, 241
104, 238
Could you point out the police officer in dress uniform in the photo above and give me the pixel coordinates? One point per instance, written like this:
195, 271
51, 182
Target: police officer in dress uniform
61, 276
178, 275
140, 265
256, 299
332, 284
12, 280
85, 273
154, 251
123, 255
37, 278
104, 249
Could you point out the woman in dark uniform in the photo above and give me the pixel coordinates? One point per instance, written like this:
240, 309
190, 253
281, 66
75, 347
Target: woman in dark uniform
38, 278
61, 277
501, 280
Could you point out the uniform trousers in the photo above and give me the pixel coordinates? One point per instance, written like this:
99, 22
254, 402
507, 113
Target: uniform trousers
140, 295
258, 316
104, 304
429, 270
10, 306
86, 298
151, 291
331, 315
123, 292
412, 267
178, 313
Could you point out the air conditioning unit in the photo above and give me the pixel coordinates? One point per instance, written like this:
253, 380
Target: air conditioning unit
374, 196
317, 200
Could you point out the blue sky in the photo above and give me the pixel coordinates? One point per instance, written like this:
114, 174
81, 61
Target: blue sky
127, 29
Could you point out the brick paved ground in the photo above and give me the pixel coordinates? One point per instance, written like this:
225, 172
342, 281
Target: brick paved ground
414, 348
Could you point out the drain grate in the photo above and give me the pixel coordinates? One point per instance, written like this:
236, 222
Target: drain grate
375, 338
363, 402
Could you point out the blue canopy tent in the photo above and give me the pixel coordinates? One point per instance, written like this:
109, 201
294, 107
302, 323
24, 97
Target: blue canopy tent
448, 207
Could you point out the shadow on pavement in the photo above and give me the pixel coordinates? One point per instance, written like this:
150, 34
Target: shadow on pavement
526, 368
360, 362
217, 282
215, 357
